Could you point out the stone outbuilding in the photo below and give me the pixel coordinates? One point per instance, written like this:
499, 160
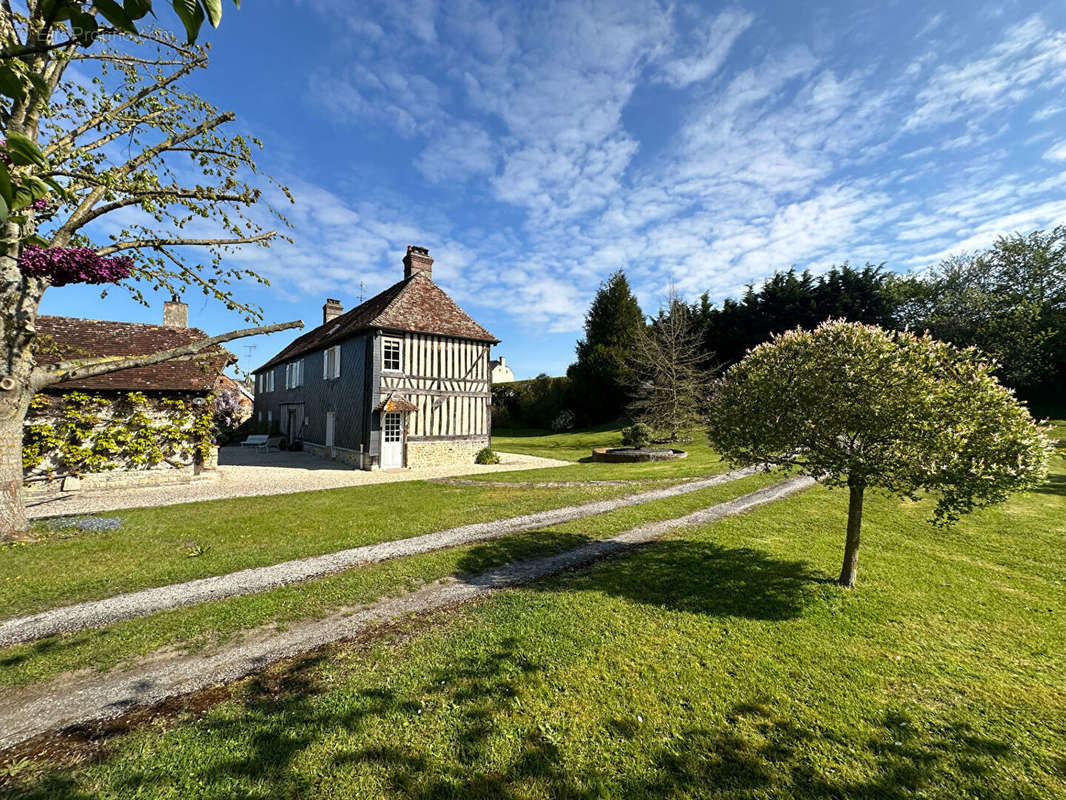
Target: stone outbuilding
143, 426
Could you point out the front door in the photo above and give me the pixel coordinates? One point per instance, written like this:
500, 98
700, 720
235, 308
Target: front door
391, 440
293, 426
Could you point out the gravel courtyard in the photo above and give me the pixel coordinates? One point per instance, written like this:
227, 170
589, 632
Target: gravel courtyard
247, 472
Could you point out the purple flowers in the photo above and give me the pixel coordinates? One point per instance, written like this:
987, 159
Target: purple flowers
63, 265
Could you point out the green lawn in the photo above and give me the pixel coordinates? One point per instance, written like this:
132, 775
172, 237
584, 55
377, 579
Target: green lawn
722, 661
577, 447
153, 546
212, 623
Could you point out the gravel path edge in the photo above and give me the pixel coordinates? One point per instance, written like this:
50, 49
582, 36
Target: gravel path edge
99, 696
107, 611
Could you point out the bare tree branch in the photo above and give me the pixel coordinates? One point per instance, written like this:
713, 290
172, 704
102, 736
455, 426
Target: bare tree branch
133, 244
86, 368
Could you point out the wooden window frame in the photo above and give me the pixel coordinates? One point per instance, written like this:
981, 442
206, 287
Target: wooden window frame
388, 340
327, 374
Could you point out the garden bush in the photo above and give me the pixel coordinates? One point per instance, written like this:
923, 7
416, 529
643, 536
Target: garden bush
486, 455
637, 436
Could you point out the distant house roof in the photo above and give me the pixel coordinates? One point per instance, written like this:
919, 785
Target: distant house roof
63, 338
414, 304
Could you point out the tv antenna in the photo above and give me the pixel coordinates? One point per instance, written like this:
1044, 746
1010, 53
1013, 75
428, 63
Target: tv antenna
362, 290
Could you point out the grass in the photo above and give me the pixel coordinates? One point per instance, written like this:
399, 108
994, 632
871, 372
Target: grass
199, 626
577, 447
722, 661
157, 546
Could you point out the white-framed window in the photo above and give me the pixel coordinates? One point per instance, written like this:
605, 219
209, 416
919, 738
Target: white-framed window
294, 374
390, 355
331, 362
267, 381
393, 425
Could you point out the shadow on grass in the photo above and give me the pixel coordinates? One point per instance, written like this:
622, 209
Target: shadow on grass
291, 739
1055, 484
681, 575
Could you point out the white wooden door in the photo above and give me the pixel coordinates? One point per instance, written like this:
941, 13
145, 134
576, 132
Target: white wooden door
331, 424
391, 440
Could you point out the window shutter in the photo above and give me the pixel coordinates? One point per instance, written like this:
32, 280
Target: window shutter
337, 361
325, 363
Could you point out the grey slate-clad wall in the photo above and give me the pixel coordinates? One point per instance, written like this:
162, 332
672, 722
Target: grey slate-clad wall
343, 396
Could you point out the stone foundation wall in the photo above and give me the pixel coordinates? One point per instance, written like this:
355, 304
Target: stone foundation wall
114, 480
344, 455
444, 453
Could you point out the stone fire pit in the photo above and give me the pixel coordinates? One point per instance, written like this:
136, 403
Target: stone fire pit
629, 455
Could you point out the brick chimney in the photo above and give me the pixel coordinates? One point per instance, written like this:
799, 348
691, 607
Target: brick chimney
175, 313
331, 309
417, 260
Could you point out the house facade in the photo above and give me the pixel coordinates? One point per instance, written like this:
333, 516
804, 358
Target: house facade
501, 373
402, 380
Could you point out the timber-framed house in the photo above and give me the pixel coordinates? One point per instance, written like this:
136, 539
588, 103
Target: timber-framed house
402, 380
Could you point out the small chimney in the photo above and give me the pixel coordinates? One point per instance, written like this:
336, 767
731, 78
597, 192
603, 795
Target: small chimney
503, 361
417, 260
175, 313
331, 309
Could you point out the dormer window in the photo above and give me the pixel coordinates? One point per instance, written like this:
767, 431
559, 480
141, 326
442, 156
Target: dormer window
390, 355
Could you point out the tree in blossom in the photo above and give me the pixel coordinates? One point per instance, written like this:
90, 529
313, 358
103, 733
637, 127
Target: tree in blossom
854, 405
162, 212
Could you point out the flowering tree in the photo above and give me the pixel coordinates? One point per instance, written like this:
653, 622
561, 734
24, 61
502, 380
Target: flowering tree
113, 173
857, 406
229, 412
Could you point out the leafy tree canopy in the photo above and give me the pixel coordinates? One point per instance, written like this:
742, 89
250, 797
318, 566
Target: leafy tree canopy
855, 405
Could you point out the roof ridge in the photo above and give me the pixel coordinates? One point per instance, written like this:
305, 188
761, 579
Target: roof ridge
122, 322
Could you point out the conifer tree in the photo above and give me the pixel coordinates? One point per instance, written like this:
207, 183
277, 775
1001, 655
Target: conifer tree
601, 377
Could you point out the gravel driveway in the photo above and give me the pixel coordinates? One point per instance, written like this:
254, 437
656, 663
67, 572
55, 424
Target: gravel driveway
246, 472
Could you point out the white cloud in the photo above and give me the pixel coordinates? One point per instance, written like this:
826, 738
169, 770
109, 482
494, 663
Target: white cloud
1029, 56
713, 43
1057, 152
459, 152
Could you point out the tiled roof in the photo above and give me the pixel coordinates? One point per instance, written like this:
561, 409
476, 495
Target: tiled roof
62, 338
414, 304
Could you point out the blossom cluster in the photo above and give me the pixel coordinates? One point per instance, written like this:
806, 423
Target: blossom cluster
63, 265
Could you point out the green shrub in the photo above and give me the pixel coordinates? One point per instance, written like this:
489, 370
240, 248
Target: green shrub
486, 455
637, 436
536, 403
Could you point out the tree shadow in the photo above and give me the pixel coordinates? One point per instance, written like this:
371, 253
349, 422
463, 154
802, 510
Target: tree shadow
1055, 484
486, 752
681, 575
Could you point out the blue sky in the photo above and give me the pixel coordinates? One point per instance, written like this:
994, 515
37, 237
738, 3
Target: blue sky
535, 148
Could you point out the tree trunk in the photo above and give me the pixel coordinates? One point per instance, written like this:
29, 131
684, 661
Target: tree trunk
13, 522
851, 548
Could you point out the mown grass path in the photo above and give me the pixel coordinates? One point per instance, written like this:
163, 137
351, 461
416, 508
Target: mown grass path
97, 613
66, 702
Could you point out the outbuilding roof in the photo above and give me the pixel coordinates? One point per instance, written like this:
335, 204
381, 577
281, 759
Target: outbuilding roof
64, 338
414, 304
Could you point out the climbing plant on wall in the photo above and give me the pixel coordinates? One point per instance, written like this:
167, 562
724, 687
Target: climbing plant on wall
80, 432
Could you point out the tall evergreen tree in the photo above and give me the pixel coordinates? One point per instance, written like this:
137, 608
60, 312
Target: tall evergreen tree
601, 374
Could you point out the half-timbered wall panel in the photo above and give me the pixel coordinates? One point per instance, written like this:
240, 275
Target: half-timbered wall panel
447, 379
